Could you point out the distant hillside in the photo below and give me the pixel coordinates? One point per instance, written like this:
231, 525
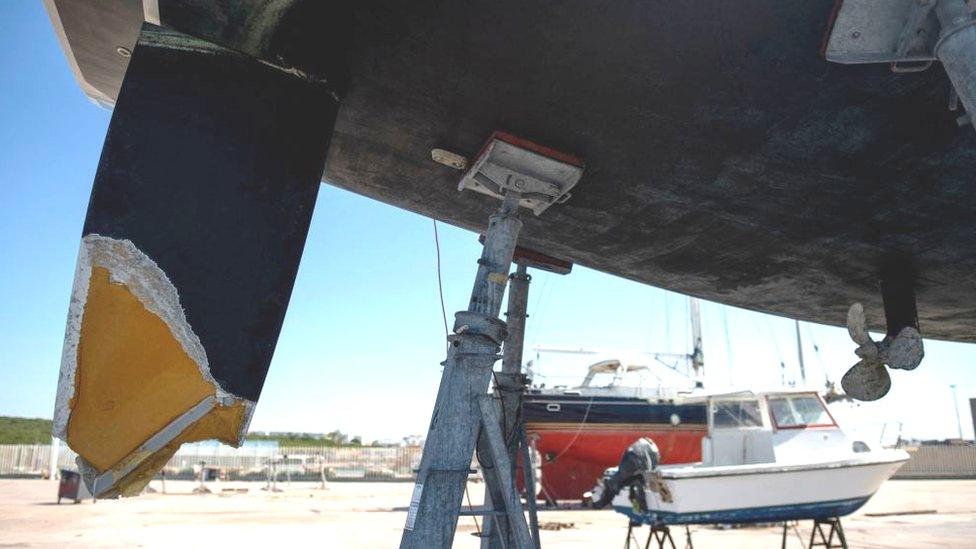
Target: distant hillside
22, 430
335, 438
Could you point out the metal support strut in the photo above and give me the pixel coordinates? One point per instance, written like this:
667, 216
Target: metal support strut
463, 409
819, 538
520, 173
659, 534
509, 387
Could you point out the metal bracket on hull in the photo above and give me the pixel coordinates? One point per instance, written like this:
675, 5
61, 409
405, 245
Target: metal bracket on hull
540, 176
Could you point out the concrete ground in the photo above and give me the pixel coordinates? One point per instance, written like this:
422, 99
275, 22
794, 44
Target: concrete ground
372, 514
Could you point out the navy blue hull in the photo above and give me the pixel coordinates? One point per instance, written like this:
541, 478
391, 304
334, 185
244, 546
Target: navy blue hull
610, 410
777, 513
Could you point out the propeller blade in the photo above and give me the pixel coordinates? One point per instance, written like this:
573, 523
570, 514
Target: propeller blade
866, 380
856, 325
905, 352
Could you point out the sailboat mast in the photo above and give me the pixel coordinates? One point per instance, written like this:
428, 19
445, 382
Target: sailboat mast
697, 356
799, 353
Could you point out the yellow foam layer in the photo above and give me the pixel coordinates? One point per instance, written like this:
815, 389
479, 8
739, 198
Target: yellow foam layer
133, 378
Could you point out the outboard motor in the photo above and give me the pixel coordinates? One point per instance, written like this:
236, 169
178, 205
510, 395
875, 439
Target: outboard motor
637, 464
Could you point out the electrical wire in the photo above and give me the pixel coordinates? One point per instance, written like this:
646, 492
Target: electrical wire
440, 292
576, 435
440, 280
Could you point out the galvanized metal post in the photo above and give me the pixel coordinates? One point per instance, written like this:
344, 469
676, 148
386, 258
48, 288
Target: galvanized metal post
501, 477
509, 385
528, 475
454, 425
518, 297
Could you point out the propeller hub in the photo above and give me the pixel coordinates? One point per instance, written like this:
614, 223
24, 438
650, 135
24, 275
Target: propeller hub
868, 350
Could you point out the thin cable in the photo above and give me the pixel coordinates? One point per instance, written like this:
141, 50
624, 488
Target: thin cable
440, 280
579, 430
536, 325
440, 292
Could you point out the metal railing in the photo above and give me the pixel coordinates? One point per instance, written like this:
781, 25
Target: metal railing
295, 463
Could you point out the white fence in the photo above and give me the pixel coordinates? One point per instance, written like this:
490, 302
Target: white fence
348, 463
32, 459
379, 463
940, 462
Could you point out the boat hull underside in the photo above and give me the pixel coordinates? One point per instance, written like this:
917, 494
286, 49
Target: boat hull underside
725, 157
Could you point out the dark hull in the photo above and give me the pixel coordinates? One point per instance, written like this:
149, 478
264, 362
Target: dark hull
726, 158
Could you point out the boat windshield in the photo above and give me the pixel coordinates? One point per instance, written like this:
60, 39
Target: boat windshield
736, 413
798, 411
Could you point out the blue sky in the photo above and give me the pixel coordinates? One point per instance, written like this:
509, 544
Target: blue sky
367, 266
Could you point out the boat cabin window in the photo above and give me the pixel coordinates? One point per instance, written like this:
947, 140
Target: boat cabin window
793, 411
736, 413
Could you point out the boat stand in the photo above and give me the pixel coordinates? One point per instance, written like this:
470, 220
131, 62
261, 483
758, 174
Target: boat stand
510, 384
464, 413
827, 540
659, 534
465, 418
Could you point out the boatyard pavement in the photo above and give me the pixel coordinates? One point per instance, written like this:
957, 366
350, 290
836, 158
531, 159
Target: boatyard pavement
907, 513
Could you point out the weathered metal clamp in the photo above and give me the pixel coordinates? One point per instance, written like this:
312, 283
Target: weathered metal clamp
472, 323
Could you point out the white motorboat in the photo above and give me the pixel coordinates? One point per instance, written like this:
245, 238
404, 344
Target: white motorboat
768, 457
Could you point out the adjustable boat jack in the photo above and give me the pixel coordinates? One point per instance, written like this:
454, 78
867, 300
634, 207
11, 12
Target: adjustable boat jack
521, 174
910, 35
510, 384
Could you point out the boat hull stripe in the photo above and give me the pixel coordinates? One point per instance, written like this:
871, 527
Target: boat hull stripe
632, 411
637, 428
800, 511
